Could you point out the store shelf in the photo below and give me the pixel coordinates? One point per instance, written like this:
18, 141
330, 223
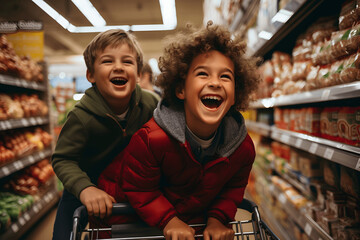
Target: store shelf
271, 221
310, 227
339, 92
343, 154
23, 122
29, 218
18, 82
260, 128
21, 163
301, 10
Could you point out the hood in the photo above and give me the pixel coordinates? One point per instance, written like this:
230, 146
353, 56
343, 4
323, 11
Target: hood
172, 121
93, 102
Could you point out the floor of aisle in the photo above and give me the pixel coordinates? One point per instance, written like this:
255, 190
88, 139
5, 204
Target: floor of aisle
43, 228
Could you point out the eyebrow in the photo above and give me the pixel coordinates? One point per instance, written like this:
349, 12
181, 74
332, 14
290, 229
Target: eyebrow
223, 70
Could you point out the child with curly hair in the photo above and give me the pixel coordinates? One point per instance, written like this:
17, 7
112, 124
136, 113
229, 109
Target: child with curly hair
191, 162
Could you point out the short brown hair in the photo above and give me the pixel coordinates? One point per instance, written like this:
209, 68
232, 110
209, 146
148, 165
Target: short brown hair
183, 47
113, 37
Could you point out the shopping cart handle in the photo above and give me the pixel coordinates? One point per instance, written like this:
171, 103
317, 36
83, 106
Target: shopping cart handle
122, 209
247, 205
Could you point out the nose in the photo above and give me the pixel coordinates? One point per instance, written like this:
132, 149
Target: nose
118, 66
214, 82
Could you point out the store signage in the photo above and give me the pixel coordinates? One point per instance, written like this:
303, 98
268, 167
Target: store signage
27, 38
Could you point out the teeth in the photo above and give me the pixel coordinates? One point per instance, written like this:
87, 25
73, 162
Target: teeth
212, 98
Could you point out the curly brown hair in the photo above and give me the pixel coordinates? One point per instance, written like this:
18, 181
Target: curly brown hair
185, 46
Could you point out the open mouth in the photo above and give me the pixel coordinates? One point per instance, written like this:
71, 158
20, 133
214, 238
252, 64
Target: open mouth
211, 101
118, 81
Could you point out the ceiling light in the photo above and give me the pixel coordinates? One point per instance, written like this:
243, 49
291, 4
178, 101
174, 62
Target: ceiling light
168, 13
90, 12
52, 13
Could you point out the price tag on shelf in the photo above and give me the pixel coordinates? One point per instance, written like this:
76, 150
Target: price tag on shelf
285, 138
33, 121
39, 120
298, 142
27, 216
21, 164
282, 198
17, 82
16, 165
5, 170
34, 85
308, 229
2, 125
8, 124
328, 153
313, 148
357, 167
15, 228
31, 159
24, 122
22, 221
41, 155
325, 94
36, 209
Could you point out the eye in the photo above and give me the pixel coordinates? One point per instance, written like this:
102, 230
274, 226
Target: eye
226, 76
106, 61
201, 73
128, 61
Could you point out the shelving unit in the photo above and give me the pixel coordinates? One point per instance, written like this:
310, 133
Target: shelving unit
301, 13
339, 92
50, 196
311, 228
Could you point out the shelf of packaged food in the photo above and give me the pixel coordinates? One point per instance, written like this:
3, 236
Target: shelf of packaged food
310, 227
23, 162
22, 122
260, 128
297, 11
18, 82
30, 217
341, 153
301, 183
339, 92
270, 220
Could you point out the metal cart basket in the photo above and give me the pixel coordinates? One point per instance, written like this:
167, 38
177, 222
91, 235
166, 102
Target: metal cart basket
135, 231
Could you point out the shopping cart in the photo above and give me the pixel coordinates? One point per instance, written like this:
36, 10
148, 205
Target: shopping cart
135, 231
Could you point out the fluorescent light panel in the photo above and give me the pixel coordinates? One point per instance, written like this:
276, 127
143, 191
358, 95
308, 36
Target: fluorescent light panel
168, 13
90, 12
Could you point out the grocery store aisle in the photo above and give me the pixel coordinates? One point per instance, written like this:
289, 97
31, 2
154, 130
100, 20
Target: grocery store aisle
43, 229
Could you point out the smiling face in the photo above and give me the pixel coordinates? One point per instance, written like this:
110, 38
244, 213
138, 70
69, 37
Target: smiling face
115, 75
209, 92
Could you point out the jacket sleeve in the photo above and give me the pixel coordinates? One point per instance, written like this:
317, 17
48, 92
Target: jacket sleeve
141, 182
225, 206
67, 156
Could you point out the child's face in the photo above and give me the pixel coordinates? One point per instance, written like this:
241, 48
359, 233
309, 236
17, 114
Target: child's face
209, 92
115, 75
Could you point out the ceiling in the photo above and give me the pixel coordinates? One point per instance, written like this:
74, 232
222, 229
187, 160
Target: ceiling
60, 44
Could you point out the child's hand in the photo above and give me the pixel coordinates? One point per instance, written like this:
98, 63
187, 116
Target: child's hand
216, 230
177, 229
97, 202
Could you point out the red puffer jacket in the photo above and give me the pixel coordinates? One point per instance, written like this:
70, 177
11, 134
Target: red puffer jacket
161, 179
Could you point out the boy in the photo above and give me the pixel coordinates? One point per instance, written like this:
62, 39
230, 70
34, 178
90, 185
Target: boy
100, 125
191, 162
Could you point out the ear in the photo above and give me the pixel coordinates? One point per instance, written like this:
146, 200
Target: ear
180, 93
90, 76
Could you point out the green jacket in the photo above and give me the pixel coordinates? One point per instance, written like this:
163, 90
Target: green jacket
92, 136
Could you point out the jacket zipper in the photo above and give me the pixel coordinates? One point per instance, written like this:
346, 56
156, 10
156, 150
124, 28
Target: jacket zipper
122, 129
